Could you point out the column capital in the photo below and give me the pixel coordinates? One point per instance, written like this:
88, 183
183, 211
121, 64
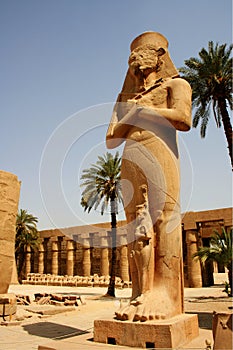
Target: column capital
122, 237
85, 240
191, 236
104, 239
54, 239
28, 248
41, 248
54, 246
69, 245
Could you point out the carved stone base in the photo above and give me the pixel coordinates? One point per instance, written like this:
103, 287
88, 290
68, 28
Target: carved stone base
170, 333
8, 305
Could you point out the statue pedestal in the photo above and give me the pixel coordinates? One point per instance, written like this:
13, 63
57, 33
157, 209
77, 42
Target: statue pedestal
8, 305
170, 333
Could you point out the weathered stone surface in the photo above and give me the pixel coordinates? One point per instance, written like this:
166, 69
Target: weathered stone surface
154, 103
8, 298
49, 309
8, 304
56, 303
167, 334
11, 323
9, 197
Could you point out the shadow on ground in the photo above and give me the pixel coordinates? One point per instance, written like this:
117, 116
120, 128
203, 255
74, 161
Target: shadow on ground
52, 330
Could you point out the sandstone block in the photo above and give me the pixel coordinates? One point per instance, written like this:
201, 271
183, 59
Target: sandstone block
171, 333
8, 304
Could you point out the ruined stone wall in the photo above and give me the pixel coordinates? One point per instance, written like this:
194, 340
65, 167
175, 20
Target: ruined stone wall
9, 198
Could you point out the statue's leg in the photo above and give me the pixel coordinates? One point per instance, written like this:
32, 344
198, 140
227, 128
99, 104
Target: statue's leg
134, 272
163, 194
132, 179
168, 257
165, 297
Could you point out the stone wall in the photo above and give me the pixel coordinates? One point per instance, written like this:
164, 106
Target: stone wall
9, 198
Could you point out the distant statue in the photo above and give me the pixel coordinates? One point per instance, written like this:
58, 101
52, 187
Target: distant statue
154, 103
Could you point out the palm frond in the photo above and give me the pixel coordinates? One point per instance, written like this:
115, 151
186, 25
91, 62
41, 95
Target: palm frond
26, 230
220, 249
101, 182
210, 77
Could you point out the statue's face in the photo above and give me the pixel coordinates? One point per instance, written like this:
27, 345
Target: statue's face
145, 59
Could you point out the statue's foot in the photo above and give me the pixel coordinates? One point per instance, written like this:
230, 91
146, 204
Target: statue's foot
138, 312
146, 307
138, 300
126, 313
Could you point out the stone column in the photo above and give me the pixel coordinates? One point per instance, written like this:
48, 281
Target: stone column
78, 258
55, 257
41, 259
28, 260
194, 267
104, 258
124, 263
86, 257
70, 258
104, 262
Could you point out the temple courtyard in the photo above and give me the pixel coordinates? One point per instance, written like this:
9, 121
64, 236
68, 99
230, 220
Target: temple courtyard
47, 327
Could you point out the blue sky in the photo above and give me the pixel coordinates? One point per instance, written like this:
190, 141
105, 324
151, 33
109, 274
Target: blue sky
63, 64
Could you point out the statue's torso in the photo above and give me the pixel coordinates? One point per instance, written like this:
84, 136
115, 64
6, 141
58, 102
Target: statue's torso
155, 98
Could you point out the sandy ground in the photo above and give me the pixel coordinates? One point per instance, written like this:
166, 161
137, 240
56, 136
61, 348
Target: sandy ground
75, 328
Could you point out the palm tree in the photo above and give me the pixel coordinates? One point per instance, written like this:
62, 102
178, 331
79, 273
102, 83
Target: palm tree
26, 236
210, 77
102, 186
220, 251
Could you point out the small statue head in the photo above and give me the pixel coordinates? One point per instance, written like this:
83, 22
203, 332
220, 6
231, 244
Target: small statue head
141, 212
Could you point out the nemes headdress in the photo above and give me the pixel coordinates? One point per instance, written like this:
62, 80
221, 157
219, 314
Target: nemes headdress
153, 38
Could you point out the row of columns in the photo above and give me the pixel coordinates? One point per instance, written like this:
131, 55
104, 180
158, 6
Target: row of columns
194, 268
86, 258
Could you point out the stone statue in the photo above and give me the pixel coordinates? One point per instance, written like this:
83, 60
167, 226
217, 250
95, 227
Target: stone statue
154, 103
142, 251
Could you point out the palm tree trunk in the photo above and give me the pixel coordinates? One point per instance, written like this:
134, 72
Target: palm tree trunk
21, 264
111, 286
227, 126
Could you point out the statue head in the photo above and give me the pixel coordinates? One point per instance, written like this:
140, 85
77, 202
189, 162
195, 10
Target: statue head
149, 50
